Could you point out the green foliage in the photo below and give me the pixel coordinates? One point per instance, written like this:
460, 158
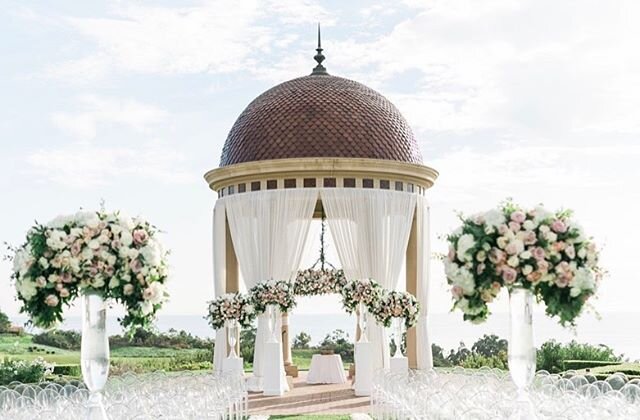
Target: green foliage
5, 323
490, 346
67, 370
551, 355
340, 343
586, 364
457, 358
68, 340
476, 361
172, 339
22, 371
629, 369
301, 341
247, 343
439, 359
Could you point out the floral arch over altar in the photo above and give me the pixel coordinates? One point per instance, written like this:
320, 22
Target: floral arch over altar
318, 145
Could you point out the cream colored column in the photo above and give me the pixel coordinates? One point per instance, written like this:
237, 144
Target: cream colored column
423, 343
412, 287
289, 367
231, 264
219, 277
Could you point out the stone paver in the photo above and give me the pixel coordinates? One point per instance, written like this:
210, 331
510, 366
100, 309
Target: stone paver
310, 399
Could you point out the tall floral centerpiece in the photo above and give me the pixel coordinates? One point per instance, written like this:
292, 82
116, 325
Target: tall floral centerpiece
398, 310
272, 294
534, 254
97, 256
231, 310
361, 296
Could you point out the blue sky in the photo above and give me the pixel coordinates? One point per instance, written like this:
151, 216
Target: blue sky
131, 102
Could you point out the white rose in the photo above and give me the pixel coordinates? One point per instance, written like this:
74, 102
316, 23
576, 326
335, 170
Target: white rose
26, 288
82, 218
525, 255
126, 238
44, 263
541, 214
97, 282
551, 237
249, 309
94, 244
56, 239
151, 253
494, 218
60, 221
116, 229
154, 294
114, 282
582, 252
465, 242
583, 280
527, 269
86, 254
146, 307
126, 222
464, 279
127, 289
513, 261
529, 225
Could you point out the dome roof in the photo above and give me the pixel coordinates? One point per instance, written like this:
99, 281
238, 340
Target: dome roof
320, 116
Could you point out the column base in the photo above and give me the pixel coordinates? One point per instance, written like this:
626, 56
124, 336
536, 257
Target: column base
291, 370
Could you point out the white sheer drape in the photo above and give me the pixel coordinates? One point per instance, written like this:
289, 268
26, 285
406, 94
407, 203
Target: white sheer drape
219, 277
268, 230
424, 354
371, 231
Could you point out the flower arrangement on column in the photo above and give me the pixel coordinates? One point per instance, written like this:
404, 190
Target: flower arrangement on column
398, 310
231, 310
361, 296
272, 294
533, 253
98, 255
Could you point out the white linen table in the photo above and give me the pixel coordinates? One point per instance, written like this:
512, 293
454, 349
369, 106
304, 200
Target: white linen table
326, 369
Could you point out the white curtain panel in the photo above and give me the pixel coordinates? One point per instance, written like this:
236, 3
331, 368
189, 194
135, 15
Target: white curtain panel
268, 230
371, 231
424, 354
219, 277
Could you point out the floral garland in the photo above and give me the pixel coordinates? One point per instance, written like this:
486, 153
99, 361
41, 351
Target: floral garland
547, 253
273, 292
108, 253
365, 291
231, 306
397, 305
312, 282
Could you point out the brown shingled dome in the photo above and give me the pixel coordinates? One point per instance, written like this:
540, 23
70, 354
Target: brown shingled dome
320, 116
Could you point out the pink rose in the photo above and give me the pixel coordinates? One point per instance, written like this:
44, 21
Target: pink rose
558, 226
497, 256
518, 216
534, 277
562, 281
480, 269
64, 293
136, 265
570, 251
140, 236
530, 238
502, 229
514, 248
41, 281
543, 266
538, 253
51, 300
509, 275
514, 226
558, 246
456, 291
452, 254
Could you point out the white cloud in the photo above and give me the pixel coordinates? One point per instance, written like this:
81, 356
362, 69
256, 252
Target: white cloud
216, 37
95, 111
86, 166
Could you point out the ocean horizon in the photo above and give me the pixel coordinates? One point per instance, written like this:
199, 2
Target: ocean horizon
617, 330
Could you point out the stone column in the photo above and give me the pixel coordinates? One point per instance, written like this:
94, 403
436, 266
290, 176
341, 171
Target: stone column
232, 279
289, 367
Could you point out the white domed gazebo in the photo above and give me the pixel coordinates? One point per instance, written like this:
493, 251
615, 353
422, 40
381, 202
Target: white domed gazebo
314, 144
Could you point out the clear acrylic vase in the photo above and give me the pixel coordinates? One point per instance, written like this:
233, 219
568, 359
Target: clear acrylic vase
232, 337
397, 326
362, 322
522, 352
94, 352
272, 313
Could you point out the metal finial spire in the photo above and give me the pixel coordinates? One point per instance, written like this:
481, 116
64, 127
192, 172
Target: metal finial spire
319, 57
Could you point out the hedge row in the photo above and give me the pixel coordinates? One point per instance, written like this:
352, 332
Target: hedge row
586, 364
